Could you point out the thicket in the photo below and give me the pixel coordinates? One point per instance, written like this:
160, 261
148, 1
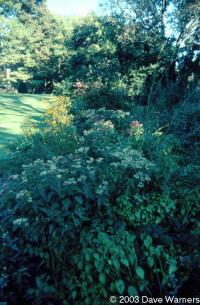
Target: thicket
103, 196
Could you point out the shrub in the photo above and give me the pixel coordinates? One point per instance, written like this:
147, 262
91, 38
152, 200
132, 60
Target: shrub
186, 123
102, 204
54, 134
64, 217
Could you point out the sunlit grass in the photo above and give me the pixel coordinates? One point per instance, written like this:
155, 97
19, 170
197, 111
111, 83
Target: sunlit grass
15, 110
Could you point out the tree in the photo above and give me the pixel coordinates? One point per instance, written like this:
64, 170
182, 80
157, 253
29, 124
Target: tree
33, 47
158, 36
18, 7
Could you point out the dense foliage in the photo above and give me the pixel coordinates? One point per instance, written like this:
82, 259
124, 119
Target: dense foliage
103, 194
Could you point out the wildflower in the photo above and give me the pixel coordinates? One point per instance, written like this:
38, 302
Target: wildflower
88, 132
136, 124
102, 188
38, 162
83, 149
90, 161
13, 177
43, 173
79, 85
115, 164
52, 167
69, 182
27, 166
20, 221
4, 189
136, 129
77, 166
24, 194
82, 178
29, 199
99, 160
60, 158
20, 194
105, 124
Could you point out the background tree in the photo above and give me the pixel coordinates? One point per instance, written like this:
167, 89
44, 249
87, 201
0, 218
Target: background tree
33, 47
18, 7
165, 34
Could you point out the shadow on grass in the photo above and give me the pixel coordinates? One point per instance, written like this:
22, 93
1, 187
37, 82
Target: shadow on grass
7, 144
15, 111
24, 104
6, 136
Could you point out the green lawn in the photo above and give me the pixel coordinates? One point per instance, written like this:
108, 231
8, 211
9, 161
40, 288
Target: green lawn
15, 109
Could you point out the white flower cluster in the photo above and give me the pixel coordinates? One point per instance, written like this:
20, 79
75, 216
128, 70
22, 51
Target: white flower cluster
102, 188
105, 124
24, 195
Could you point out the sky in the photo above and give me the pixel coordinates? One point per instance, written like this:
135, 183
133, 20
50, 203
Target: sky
72, 7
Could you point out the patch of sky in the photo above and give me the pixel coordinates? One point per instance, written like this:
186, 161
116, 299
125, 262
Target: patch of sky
72, 7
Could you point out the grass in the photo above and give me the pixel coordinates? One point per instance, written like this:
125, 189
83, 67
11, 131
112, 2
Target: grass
15, 110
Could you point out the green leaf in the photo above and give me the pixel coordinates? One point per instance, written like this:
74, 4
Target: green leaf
125, 262
148, 241
66, 203
150, 261
87, 301
116, 264
102, 278
80, 264
51, 228
74, 294
140, 272
165, 280
120, 286
172, 267
131, 259
112, 287
78, 199
79, 212
132, 291
87, 256
76, 221
98, 265
96, 256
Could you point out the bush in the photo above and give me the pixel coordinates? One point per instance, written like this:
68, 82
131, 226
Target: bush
54, 134
102, 204
186, 123
72, 215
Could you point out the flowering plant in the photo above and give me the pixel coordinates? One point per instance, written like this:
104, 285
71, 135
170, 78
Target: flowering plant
136, 129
